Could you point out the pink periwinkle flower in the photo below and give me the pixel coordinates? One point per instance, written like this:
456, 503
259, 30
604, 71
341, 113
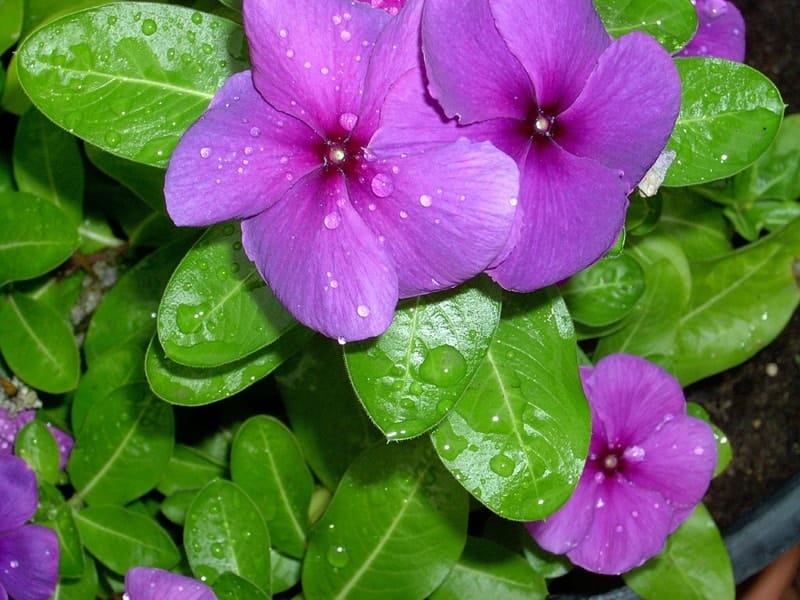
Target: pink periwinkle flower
649, 465
148, 583
10, 427
720, 31
28, 553
344, 205
584, 117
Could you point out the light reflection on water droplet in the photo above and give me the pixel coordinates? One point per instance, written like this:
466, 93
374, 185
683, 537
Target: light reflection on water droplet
382, 185
348, 120
425, 200
332, 220
362, 310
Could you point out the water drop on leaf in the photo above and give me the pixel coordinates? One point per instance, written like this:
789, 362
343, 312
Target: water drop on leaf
443, 366
337, 557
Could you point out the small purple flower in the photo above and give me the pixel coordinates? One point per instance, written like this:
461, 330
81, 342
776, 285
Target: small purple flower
720, 31
342, 209
10, 427
28, 553
147, 583
649, 465
583, 115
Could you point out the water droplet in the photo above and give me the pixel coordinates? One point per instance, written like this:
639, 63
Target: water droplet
332, 220
205, 152
283, 33
382, 185
425, 200
14, 564
197, 18
635, 453
345, 35
403, 214
348, 121
255, 131
149, 27
112, 138
218, 550
443, 366
699, 450
112, 20
189, 317
341, 340
362, 310
502, 465
600, 503
337, 556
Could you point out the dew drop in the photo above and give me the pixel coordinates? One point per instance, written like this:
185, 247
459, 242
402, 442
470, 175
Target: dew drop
290, 53
112, 20
217, 550
14, 564
283, 33
149, 27
699, 450
443, 366
189, 317
425, 200
382, 185
345, 35
112, 138
341, 341
600, 503
197, 18
403, 214
255, 132
348, 121
502, 465
205, 152
362, 310
332, 220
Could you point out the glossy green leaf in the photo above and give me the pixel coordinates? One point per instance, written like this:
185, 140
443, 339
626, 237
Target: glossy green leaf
693, 566
115, 368
729, 115
193, 386
53, 512
232, 587
14, 99
35, 236
696, 224
325, 415
769, 215
175, 506
267, 463
650, 328
37, 446
604, 292
188, 469
10, 23
643, 214
225, 532
38, 344
671, 22
487, 570
123, 447
415, 372
285, 571
127, 315
216, 308
38, 12
86, 587
739, 303
130, 77
724, 448
143, 180
546, 564
122, 538
518, 438
47, 163
414, 534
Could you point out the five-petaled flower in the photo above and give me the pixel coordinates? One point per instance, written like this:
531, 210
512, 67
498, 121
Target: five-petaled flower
649, 465
720, 31
147, 583
28, 553
11, 425
583, 115
343, 209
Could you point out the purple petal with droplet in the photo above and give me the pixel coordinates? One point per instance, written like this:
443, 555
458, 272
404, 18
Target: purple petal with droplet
65, 443
720, 32
9, 428
29, 562
20, 495
147, 583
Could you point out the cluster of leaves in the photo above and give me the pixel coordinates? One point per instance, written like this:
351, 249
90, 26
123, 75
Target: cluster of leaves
285, 482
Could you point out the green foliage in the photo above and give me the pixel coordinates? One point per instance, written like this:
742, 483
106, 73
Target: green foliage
671, 22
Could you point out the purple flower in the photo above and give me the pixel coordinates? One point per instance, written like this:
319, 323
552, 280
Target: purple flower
584, 117
391, 6
146, 583
342, 209
10, 427
649, 465
28, 553
720, 31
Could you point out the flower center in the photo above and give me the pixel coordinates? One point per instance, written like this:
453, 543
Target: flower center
336, 155
543, 124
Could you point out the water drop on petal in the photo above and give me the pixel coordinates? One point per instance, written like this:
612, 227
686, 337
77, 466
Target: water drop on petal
348, 121
332, 220
425, 200
363, 310
382, 185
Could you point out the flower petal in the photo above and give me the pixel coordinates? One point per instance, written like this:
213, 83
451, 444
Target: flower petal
322, 261
558, 43
445, 213
625, 114
29, 562
565, 529
570, 212
471, 71
310, 58
238, 158
720, 31
631, 397
9, 428
679, 460
20, 495
3, 593
146, 583
630, 525
65, 444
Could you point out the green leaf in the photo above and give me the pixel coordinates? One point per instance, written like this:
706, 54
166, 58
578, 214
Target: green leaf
127, 314
604, 292
739, 303
193, 386
724, 449
415, 372
216, 308
86, 587
518, 438
412, 537
693, 566
285, 572
487, 570
123, 447
232, 587
325, 415
146, 182
267, 463
38, 12
188, 469
37, 446
672, 22
38, 344
53, 512
729, 115
35, 236
121, 538
48, 164
696, 224
130, 77
176, 505
225, 532
10, 23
